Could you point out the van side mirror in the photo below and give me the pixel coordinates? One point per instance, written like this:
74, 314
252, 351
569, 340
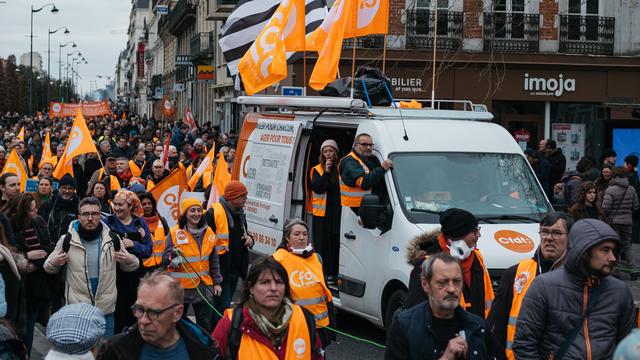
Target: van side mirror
370, 211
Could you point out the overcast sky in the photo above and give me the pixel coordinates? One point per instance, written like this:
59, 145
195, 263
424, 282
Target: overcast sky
98, 27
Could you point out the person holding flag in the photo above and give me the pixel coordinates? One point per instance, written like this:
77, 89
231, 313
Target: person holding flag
228, 221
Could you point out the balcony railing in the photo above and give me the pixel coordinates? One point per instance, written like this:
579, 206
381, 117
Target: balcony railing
511, 32
590, 34
202, 46
180, 16
220, 9
365, 42
421, 28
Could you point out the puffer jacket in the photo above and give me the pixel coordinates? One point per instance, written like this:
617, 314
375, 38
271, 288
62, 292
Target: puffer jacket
77, 284
554, 305
620, 202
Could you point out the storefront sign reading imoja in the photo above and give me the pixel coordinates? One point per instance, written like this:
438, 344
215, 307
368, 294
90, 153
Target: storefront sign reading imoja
548, 86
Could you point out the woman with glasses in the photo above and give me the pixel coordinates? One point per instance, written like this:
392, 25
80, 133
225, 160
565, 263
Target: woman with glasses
586, 205
192, 260
32, 240
268, 325
308, 287
128, 223
325, 198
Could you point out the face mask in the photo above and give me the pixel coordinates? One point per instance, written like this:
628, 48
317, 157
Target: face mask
459, 249
304, 251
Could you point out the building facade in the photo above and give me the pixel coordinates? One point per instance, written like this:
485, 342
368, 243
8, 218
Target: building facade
37, 61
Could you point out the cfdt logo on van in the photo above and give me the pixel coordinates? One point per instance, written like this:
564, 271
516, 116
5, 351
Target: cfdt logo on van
514, 241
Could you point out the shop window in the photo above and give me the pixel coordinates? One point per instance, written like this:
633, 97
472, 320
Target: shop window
578, 129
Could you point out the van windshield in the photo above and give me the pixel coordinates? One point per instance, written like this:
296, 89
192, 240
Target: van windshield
498, 187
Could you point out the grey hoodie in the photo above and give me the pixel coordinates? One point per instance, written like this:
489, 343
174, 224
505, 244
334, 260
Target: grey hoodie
620, 201
554, 304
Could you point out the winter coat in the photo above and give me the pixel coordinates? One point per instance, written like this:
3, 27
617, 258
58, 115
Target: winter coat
558, 164
579, 211
36, 282
620, 202
411, 336
554, 305
128, 345
572, 181
77, 283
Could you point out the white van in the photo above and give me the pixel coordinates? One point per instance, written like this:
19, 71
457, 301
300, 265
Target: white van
448, 158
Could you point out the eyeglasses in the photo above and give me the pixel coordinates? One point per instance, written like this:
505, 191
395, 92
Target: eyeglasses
89, 215
138, 311
554, 234
366, 144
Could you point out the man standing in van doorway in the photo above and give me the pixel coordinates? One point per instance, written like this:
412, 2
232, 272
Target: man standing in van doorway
515, 281
458, 236
360, 172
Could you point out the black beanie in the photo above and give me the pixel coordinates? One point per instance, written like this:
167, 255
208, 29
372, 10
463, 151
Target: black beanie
67, 180
457, 222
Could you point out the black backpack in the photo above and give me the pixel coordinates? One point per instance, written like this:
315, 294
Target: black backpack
66, 242
235, 335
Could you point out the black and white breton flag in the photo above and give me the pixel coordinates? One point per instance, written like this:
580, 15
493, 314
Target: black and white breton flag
249, 17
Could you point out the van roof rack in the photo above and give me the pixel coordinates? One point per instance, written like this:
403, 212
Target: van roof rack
448, 109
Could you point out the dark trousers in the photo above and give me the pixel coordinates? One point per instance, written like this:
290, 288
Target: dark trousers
626, 253
203, 314
327, 244
222, 302
127, 285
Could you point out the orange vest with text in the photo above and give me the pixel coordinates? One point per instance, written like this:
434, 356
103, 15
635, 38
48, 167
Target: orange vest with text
298, 342
114, 184
318, 201
488, 288
158, 238
198, 258
222, 228
525, 274
351, 196
306, 280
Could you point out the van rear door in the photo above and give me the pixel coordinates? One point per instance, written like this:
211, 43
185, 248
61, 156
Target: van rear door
266, 169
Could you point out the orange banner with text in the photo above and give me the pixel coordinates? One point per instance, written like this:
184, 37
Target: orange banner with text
57, 109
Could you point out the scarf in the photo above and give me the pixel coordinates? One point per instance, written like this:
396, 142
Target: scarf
66, 205
465, 264
7, 255
132, 199
125, 175
89, 235
274, 331
152, 222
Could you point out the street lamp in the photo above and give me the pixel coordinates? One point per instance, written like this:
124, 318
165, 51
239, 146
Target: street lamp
54, 10
67, 73
66, 32
60, 63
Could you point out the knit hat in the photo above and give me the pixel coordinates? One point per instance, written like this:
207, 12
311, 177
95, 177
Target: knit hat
76, 328
234, 190
67, 180
189, 202
331, 143
629, 347
457, 222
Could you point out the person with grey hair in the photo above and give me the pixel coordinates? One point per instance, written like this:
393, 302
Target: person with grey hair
307, 281
161, 331
439, 328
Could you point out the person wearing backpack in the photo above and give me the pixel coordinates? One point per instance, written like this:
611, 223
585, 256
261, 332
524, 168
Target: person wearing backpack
267, 324
578, 311
89, 253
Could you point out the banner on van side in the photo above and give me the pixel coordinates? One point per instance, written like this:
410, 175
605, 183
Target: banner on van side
266, 163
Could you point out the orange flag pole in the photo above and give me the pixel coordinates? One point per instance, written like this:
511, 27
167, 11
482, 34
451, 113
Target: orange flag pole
384, 54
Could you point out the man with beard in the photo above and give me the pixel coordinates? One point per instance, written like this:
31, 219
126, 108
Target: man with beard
360, 173
439, 328
578, 311
554, 239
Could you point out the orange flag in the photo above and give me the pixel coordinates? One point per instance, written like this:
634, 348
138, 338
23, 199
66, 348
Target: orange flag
64, 166
220, 180
265, 63
13, 165
46, 151
21, 134
167, 194
206, 164
372, 18
167, 107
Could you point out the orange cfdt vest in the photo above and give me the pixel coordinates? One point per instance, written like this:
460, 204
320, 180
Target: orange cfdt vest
114, 184
318, 201
306, 281
298, 345
351, 196
158, 238
525, 274
222, 228
135, 170
199, 259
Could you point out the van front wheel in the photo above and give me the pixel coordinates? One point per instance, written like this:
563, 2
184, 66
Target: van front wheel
394, 306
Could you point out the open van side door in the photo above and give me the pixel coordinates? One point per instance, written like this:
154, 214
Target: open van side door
266, 168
